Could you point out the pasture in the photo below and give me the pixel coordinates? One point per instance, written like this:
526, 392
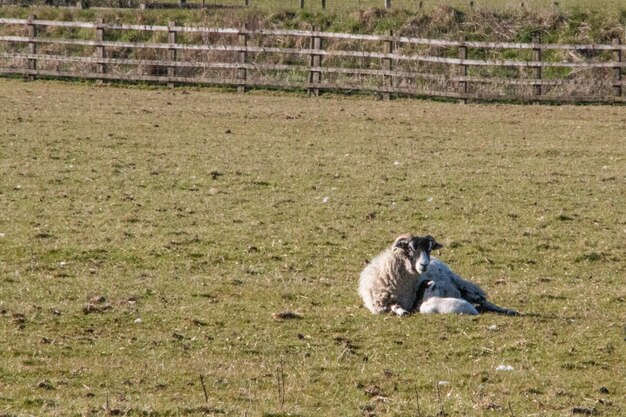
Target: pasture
149, 237
351, 5
343, 5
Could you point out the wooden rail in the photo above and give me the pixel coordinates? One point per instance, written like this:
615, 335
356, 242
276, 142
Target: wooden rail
313, 60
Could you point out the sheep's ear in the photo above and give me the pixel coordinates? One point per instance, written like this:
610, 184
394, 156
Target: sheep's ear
429, 284
434, 245
402, 242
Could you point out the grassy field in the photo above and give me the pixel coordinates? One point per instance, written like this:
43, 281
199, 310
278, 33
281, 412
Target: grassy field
343, 5
575, 21
148, 237
350, 5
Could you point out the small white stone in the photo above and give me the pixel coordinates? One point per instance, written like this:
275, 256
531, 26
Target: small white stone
137, 321
506, 368
442, 382
326, 200
397, 163
2, 235
493, 328
62, 263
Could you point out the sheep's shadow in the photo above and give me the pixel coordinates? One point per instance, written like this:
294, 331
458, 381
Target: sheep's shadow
547, 316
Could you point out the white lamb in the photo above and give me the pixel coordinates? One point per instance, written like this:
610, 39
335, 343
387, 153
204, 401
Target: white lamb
392, 279
433, 303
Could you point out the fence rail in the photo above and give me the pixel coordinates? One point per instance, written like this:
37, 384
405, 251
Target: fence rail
313, 60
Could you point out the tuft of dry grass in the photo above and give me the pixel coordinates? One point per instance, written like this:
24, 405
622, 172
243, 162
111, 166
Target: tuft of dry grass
182, 219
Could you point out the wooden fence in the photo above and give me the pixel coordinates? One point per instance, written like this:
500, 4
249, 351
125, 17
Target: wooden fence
314, 61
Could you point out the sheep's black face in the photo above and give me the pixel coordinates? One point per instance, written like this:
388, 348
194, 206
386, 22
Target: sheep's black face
418, 249
422, 246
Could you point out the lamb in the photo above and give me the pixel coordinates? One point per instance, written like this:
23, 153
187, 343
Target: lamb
390, 281
450, 285
433, 303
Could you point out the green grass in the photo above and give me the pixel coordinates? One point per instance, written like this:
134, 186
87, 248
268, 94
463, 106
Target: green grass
580, 22
349, 5
149, 235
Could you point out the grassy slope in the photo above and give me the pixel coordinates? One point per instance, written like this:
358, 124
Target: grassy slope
348, 5
577, 21
201, 213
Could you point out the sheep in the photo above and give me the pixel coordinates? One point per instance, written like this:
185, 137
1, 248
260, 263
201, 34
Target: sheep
433, 303
390, 281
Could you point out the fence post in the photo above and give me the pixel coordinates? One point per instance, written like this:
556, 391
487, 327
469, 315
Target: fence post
242, 73
387, 4
387, 78
315, 61
323, 4
100, 47
617, 57
537, 58
171, 39
32, 45
302, 4
462, 71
